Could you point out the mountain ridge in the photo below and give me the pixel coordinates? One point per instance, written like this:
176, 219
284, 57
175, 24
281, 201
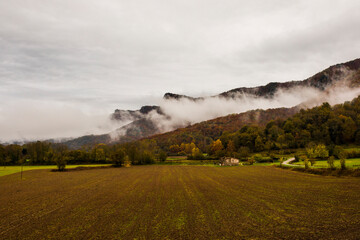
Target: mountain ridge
143, 126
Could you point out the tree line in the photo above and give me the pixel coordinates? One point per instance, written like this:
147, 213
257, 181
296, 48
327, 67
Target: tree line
46, 153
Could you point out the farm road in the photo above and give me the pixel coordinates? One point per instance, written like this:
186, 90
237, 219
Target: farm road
288, 163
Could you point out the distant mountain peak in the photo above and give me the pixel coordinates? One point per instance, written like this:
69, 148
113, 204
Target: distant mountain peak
173, 96
320, 81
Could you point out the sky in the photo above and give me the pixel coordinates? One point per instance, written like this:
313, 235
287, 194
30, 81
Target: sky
63, 62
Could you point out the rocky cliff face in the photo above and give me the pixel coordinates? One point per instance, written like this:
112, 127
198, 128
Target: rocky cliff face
172, 96
345, 73
123, 115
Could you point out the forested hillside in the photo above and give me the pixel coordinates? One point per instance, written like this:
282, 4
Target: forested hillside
325, 124
205, 132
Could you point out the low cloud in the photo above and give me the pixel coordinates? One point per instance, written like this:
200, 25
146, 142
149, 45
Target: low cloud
183, 112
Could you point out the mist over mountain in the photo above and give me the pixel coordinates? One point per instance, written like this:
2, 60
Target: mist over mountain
335, 84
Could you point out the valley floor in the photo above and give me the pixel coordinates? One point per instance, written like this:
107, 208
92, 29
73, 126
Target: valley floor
179, 202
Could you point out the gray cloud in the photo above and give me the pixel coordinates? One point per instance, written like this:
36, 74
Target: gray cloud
101, 55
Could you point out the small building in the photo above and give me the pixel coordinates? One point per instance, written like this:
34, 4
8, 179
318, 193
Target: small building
229, 161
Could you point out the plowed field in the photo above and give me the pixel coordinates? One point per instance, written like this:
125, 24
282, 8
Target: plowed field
179, 202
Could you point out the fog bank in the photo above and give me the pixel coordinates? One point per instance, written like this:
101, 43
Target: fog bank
184, 112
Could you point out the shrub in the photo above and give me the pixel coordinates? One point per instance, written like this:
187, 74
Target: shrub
312, 161
60, 162
243, 153
281, 160
60, 157
182, 153
337, 150
257, 157
330, 162
342, 156
147, 158
273, 157
162, 156
251, 161
306, 163
197, 154
118, 157
127, 162
264, 159
342, 163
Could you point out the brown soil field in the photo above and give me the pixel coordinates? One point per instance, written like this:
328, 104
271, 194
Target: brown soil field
179, 202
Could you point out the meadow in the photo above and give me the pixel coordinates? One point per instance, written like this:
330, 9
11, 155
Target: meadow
350, 163
182, 160
179, 202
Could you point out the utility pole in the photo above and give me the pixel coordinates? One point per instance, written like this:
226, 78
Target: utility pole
24, 153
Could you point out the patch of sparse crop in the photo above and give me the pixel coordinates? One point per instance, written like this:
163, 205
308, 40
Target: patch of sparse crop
6, 170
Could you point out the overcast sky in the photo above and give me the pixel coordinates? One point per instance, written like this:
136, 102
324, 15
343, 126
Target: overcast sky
95, 56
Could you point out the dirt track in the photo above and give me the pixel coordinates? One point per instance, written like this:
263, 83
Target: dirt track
179, 202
